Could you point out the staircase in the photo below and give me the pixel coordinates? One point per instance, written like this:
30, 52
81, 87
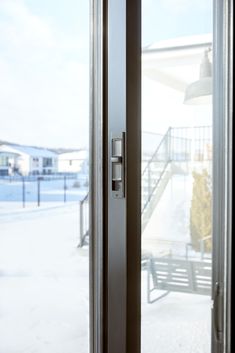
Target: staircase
156, 173
176, 149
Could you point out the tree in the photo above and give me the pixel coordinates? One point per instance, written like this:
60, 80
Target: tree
201, 211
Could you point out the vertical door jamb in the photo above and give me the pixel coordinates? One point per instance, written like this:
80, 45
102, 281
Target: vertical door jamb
117, 328
96, 179
222, 175
133, 210
122, 216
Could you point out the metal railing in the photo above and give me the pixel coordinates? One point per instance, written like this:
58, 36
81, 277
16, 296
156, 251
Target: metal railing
202, 243
84, 221
176, 249
32, 178
198, 146
179, 144
38, 189
154, 169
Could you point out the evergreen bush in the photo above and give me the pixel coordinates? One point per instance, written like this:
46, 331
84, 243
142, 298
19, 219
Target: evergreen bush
201, 211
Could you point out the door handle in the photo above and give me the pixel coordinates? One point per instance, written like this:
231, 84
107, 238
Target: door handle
118, 166
218, 312
116, 159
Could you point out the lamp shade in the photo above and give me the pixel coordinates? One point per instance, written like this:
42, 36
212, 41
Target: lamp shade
200, 91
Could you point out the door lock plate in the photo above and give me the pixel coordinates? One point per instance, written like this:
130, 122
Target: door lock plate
118, 166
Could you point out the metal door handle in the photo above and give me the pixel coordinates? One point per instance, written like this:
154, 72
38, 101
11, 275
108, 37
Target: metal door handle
218, 310
118, 166
116, 159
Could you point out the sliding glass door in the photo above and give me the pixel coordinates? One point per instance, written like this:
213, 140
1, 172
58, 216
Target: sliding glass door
161, 185
155, 84
177, 180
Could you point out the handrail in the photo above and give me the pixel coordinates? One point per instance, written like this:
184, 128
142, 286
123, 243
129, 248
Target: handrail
157, 150
202, 245
169, 155
84, 222
192, 127
85, 198
154, 187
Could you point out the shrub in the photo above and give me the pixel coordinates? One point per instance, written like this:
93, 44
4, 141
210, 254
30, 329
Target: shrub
201, 212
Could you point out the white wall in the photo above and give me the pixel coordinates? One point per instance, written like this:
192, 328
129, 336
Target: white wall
71, 162
23, 164
37, 166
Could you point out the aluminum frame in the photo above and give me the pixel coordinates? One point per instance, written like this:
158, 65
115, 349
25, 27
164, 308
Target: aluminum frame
123, 253
115, 66
115, 224
222, 170
96, 182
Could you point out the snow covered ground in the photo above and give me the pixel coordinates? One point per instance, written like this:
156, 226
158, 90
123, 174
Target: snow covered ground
43, 283
44, 290
168, 230
177, 323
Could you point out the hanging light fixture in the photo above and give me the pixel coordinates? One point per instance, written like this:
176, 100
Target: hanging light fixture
200, 91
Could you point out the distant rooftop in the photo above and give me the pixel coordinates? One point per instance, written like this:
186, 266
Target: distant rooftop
32, 151
203, 39
81, 154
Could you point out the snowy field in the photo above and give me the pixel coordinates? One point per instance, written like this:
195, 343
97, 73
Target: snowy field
44, 296
177, 323
43, 283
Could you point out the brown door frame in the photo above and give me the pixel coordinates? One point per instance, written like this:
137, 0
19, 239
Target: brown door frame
115, 224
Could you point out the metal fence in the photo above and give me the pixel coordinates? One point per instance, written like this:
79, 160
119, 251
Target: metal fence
179, 144
42, 189
84, 221
154, 168
193, 143
45, 177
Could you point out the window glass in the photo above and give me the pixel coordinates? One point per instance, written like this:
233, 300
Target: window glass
176, 176
44, 114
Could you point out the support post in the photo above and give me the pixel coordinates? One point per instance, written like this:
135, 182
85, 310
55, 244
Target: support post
23, 192
65, 188
39, 191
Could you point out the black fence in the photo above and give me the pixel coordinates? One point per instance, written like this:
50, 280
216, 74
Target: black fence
43, 188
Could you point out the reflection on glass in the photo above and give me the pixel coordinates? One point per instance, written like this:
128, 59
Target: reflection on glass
44, 275
176, 177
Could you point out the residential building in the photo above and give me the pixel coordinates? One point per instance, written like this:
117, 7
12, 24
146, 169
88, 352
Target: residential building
7, 163
30, 160
73, 162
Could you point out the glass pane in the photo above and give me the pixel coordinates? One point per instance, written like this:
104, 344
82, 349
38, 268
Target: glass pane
44, 109
176, 176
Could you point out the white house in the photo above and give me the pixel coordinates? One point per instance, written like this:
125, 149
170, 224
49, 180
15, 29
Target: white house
73, 162
30, 160
7, 163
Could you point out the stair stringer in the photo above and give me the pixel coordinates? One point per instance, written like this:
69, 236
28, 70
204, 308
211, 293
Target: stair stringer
165, 178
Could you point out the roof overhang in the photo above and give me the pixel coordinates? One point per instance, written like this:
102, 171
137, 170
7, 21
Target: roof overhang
175, 65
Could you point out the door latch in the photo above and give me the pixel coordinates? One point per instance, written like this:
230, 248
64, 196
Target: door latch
118, 166
218, 312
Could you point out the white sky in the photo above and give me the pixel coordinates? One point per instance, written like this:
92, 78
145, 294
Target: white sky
44, 63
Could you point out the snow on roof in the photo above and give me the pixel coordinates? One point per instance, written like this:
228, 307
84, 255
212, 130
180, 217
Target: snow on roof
8, 154
181, 41
78, 154
32, 151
